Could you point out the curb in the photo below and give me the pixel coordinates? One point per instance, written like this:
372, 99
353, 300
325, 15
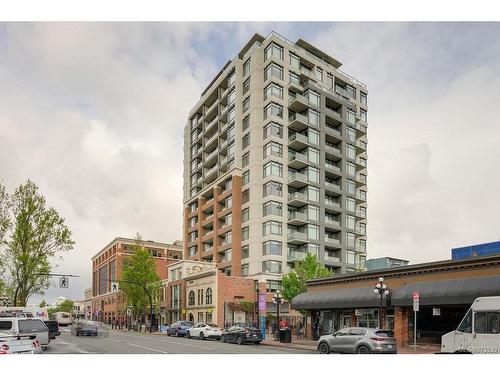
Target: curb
292, 346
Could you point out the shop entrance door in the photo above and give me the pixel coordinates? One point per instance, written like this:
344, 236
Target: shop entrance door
345, 321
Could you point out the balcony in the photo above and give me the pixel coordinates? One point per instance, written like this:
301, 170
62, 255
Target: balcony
295, 87
211, 171
332, 167
297, 160
297, 218
331, 130
307, 74
361, 196
333, 150
333, 187
298, 103
331, 204
297, 199
298, 122
212, 124
211, 109
211, 156
211, 141
297, 179
361, 145
332, 223
296, 256
298, 141
341, 91
331, 258
361, 127
361, 179
333, 114
361, 214
330, 241
297, 237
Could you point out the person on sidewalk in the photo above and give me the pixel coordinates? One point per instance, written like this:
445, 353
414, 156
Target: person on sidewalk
299, 330
283, 324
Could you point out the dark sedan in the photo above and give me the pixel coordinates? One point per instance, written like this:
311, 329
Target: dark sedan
241, 334
84, 328
53, 327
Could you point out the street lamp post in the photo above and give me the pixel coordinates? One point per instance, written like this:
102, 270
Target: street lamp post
382, 290
278, 300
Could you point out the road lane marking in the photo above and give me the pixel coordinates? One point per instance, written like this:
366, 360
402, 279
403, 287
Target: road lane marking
163, 339
145, 347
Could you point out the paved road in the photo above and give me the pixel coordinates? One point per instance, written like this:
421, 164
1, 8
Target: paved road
141, 343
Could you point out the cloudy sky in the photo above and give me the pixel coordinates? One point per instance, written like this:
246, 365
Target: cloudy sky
93, 113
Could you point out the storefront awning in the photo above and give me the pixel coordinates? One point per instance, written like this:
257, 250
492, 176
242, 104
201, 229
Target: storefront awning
447, 292
336, 299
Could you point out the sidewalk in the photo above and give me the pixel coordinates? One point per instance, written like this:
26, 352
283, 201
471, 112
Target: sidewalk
305, 344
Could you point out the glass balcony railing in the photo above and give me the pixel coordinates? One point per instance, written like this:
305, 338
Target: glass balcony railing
297, 215
294, 235
297, 195
297, 176
332, 258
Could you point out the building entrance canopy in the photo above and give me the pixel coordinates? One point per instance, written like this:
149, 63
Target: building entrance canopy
339, 298
442, 292
447, 292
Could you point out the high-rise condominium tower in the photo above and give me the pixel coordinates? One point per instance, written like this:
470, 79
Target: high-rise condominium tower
275, 163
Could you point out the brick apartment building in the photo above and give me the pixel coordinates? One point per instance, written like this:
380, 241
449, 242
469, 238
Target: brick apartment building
108, 264
447, 289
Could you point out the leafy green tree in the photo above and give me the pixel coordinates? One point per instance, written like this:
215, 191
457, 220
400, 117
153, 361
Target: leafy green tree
43, 304
37, 235
5, 223
139, 270
66, 306
294, 282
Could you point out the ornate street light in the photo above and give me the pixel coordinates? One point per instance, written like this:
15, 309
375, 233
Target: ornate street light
381, 290
278, 300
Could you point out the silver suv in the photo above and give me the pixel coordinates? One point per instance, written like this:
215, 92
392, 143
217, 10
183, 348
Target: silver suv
358, 340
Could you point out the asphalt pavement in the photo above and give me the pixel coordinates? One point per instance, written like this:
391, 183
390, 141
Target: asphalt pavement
124, 342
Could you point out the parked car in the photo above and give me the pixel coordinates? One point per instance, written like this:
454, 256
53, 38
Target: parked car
240, 334
479, 330
53, 327
84, 328
204, 331
179, 328
358, 340
26, 326
19, 344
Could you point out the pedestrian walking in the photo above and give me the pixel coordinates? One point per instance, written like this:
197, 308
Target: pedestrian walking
299, 330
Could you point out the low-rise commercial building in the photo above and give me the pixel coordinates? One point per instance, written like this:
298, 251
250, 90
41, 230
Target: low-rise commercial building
200, 292
446, 288
108, 264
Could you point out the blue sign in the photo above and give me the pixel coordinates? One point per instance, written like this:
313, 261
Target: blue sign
262, 325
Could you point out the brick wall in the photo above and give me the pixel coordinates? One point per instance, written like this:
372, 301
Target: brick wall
229, 287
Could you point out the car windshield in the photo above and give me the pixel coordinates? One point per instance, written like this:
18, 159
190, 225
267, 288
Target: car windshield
213, 325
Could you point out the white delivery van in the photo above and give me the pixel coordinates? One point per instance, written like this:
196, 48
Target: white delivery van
63, 318
479, 330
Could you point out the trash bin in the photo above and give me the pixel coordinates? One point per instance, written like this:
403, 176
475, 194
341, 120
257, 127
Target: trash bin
286, 335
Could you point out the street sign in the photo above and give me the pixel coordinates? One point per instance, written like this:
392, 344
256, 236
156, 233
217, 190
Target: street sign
64, 282
416, 304
416, 301
115, 287
416, 296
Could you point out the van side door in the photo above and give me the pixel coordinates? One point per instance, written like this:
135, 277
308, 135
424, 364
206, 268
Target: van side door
486, 336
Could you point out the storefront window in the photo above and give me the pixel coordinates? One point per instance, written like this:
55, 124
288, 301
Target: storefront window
389, 320
367, 318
